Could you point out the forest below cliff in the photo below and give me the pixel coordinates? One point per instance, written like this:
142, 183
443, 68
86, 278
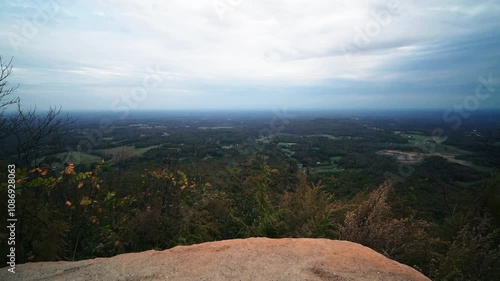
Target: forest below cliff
158, 180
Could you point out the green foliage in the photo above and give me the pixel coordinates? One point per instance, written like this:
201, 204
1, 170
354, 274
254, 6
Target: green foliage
72, 214
374, 225
50, 244
474, 253
309, 211
185, 182
267, 215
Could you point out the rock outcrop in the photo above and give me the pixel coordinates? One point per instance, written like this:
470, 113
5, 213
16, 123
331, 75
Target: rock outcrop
240, 259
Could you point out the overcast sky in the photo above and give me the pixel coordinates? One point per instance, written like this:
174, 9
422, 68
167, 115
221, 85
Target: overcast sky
252, 54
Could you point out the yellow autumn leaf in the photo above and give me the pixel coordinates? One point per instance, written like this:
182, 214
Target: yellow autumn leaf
85, 201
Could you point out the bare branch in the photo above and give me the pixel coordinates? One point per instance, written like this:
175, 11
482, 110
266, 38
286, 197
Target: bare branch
6, 91
29, 135
37, 137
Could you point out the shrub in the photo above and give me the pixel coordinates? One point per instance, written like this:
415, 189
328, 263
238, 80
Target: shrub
373, 224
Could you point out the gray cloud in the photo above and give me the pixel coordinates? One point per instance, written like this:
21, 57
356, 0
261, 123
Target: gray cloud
264, 54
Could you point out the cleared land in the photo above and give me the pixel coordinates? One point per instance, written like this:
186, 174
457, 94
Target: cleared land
125, 152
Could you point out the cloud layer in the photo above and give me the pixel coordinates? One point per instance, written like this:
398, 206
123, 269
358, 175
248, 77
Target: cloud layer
241, 54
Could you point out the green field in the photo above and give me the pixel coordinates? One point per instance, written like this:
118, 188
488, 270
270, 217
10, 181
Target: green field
440, 149
325, 169
286, 147
78, 158
131, 151
287, 144
335, 159
324, 136
215, 128
418, 139
332, 168
451, 150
